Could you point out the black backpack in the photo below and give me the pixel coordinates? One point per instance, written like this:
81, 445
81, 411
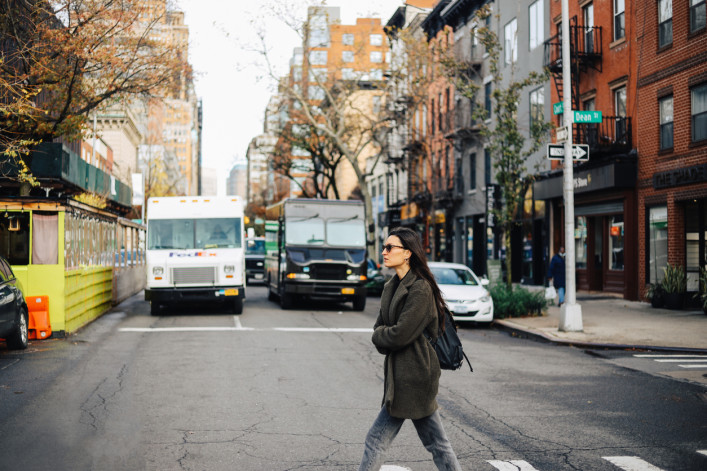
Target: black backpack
448, 347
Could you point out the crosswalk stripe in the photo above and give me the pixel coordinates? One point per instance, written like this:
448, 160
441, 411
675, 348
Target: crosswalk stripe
392, 467
667, 356
513, 465
680, 360
693, 366
631, 463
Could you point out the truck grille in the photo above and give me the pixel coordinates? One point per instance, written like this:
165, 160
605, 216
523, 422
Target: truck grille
328, 272
194, 275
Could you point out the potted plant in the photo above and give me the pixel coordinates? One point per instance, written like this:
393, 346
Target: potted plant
655, 294
674, 285
701, 295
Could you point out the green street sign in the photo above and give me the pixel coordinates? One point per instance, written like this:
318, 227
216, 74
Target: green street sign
558, 108
587, 117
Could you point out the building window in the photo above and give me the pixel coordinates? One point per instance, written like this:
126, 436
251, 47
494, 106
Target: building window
472, 171
536, 15
588, 15
487, 99
699, 112
432, 116
439, 116
376, 39
376, 74
347, 39
487, 167
616, 242
580, 242
666, 122
697, 15
620, 111
376, 57
318, 57
318, 75
665, 22
348, 74
347, 56
511, 41
537, 107
316, 93
619, 19
657, 242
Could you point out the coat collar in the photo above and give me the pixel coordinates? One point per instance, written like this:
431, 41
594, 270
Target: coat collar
395, 292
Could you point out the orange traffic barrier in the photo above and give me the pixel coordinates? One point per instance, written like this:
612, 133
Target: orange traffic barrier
39, 326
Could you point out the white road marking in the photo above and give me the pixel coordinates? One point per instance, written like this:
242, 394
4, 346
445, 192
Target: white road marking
703, 452
681, 360
10, 364
631, 463
513, 465
693, 366
667, 356
241, 328
392, 467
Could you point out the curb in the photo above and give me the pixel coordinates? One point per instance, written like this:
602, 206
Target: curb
517, 331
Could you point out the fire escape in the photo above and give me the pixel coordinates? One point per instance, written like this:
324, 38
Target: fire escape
613, 134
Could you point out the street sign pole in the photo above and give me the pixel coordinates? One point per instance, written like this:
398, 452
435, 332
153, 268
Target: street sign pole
571, 312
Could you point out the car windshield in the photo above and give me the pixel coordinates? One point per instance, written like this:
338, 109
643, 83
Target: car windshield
454, 276
208, 233
255, 247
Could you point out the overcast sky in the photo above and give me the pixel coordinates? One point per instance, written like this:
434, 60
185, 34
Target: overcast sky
231, 78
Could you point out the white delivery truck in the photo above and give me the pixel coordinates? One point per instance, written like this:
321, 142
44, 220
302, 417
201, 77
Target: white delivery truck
195, 251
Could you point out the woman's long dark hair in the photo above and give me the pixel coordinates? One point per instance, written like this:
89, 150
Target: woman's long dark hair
418, 264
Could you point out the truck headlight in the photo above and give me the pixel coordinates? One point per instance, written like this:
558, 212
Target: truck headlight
298, 276
229, 268
157, 271
356, 278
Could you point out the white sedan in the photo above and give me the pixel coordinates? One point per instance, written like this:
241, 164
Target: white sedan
465, 294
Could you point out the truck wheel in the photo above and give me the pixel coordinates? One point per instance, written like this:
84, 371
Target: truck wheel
359, 302
287, 301
17, 340
155, 308
238, 305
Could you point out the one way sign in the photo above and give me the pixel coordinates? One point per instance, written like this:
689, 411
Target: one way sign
580, 152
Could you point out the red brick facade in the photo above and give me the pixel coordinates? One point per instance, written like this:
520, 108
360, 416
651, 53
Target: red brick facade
673, 176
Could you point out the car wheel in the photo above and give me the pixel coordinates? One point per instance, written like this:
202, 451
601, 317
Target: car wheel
155, 309
238, 305
359, 302
18, 339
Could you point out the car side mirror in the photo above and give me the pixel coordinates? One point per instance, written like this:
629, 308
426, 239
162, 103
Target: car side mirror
485, 282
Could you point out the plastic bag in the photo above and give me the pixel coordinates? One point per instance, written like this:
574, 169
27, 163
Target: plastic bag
550, 293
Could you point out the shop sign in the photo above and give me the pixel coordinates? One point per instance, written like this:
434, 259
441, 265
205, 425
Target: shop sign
680, 176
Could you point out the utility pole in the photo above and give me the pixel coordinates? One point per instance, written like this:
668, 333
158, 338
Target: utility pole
571, 312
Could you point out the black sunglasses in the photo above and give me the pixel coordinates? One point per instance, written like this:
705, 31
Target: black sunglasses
389, 247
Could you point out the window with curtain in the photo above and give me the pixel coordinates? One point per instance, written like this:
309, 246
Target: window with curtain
536, 16
666, 122
699, 112
588, 15
665, 22
45, 239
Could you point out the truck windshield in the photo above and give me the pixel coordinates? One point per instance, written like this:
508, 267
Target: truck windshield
346, 232
305, 231
194, 233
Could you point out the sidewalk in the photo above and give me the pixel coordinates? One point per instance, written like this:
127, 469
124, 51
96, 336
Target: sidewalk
617, 323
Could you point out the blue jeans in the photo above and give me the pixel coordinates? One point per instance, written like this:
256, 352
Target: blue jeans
561, 293
430, 431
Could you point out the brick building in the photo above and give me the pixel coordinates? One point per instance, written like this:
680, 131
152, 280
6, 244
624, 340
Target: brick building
672, 141
605, 42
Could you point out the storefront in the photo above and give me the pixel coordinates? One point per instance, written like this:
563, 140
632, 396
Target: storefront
605, 228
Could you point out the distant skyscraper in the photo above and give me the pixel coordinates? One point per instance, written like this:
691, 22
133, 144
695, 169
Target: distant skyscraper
237, 182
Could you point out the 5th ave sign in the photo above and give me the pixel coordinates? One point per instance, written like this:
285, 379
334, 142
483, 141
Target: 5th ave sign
580, 152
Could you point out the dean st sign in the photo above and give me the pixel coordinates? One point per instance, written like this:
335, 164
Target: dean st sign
580, 152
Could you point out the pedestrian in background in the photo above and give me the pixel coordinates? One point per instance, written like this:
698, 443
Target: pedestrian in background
556, 274
411, 302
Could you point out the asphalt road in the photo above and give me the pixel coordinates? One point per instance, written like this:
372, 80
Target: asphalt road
201, 389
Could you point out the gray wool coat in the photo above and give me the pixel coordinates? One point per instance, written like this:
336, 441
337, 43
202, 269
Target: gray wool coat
411, 366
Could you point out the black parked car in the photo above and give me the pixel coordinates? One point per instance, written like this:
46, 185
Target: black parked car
376, 280
14, 320
255, 259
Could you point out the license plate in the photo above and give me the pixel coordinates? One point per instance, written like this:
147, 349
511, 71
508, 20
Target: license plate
258, 276
230, 292
347, 291
461, 309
